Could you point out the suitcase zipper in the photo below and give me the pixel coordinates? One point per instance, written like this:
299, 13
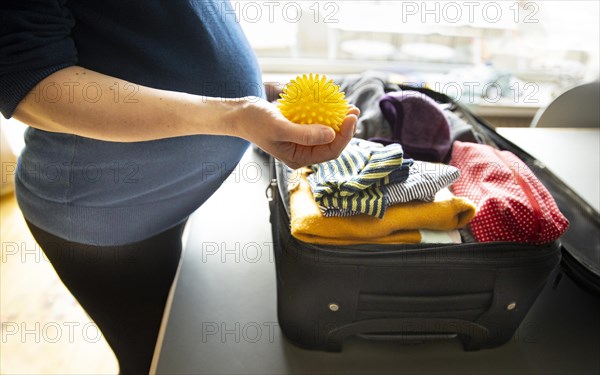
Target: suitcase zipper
271, 189
478, 256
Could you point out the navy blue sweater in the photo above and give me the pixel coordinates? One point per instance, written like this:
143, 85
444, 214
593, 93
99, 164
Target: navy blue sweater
109, 193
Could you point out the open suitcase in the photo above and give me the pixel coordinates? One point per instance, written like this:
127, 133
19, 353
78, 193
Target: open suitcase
477, 293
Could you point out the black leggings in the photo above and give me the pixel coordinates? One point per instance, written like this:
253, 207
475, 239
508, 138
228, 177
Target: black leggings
123, 288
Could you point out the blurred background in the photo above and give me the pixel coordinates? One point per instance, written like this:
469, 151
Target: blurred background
504, 58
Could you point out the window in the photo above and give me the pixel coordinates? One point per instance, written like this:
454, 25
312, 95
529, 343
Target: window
551, 43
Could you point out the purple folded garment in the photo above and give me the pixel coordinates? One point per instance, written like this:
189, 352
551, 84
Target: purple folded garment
418, 124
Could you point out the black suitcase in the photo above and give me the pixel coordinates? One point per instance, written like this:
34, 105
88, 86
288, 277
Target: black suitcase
477, 293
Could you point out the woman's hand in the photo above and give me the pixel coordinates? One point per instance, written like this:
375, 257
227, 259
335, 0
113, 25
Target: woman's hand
261, 123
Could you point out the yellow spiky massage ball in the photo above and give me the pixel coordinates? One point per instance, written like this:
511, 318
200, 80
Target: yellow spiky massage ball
313, 99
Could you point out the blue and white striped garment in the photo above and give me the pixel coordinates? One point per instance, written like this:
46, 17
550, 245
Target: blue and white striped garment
423, 182
354, 180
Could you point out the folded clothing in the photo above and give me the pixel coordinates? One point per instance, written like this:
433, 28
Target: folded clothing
418, 124
439, 236
422, 184
402, 223
364, 91
460, 130
355, 179
512, 204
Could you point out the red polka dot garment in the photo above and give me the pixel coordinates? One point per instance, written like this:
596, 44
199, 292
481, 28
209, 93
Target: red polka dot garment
512, 204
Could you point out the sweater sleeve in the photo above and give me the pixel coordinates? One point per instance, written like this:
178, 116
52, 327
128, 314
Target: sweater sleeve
35, 42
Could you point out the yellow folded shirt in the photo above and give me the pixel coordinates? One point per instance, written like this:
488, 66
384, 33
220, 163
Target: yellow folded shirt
400, 224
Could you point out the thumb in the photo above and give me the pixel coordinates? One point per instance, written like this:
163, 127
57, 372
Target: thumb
310, 135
